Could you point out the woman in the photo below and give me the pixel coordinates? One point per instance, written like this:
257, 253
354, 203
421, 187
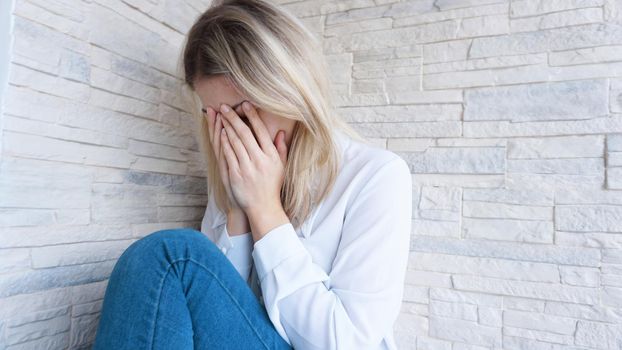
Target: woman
305, 237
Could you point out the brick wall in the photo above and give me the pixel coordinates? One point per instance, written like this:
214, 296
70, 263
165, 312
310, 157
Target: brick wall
508, 112
97, 152
510, 116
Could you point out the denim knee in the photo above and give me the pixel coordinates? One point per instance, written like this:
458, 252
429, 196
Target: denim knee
160, 241
186, 234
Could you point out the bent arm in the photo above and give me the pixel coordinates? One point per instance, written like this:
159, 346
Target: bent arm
355, 305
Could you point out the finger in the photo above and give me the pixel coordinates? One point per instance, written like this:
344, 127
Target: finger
224, 175
263, 136
210, 117
236, 144
242, 131
216, 134
218, 139
239, 110
281, 146
222, 165
232, 160
223, 168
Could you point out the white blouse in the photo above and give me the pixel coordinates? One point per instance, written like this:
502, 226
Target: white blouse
338, 281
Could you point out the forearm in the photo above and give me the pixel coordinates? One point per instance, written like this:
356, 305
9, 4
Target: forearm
237, 222
263, 220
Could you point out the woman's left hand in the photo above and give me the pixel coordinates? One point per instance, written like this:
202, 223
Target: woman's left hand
256, 171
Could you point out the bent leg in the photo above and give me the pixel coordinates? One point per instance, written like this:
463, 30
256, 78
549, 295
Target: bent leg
175, 289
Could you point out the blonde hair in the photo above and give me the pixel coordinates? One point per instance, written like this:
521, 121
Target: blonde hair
271, 57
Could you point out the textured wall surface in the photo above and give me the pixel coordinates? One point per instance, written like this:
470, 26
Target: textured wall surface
510, 116
508, 112
97, 152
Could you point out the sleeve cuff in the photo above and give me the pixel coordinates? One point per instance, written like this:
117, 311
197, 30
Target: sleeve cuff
226, 242
239, 251
242, 242
274, 247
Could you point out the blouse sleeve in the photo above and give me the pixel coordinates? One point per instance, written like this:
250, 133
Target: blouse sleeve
356, 305
236, 248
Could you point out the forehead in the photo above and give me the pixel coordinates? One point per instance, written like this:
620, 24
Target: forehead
215, 90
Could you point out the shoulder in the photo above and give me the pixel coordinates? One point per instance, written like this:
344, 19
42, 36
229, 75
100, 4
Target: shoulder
368, 168
379, 188
367, 160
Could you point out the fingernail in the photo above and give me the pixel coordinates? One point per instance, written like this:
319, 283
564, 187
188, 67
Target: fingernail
224, 108
246, 105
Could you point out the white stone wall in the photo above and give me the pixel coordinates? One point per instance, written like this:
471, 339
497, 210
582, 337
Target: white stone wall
508, 112
97, 151
510, 116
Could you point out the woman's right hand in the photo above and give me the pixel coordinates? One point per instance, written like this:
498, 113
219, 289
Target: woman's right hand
215, 126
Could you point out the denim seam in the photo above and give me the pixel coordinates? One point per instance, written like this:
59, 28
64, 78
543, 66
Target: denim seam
159, 302
222, 286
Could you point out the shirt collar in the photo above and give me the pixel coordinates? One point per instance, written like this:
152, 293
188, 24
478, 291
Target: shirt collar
219, 219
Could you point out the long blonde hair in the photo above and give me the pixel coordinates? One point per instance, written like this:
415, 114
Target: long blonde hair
271, 57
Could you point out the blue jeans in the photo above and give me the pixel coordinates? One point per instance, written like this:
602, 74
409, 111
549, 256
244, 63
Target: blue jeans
174, 289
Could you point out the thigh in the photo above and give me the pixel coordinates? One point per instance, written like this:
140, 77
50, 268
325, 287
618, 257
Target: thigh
177, 284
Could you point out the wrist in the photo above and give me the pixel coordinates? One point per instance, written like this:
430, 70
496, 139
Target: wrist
263, 220
237, 222
235, 212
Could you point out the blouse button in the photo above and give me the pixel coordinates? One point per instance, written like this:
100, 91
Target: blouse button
224, 250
